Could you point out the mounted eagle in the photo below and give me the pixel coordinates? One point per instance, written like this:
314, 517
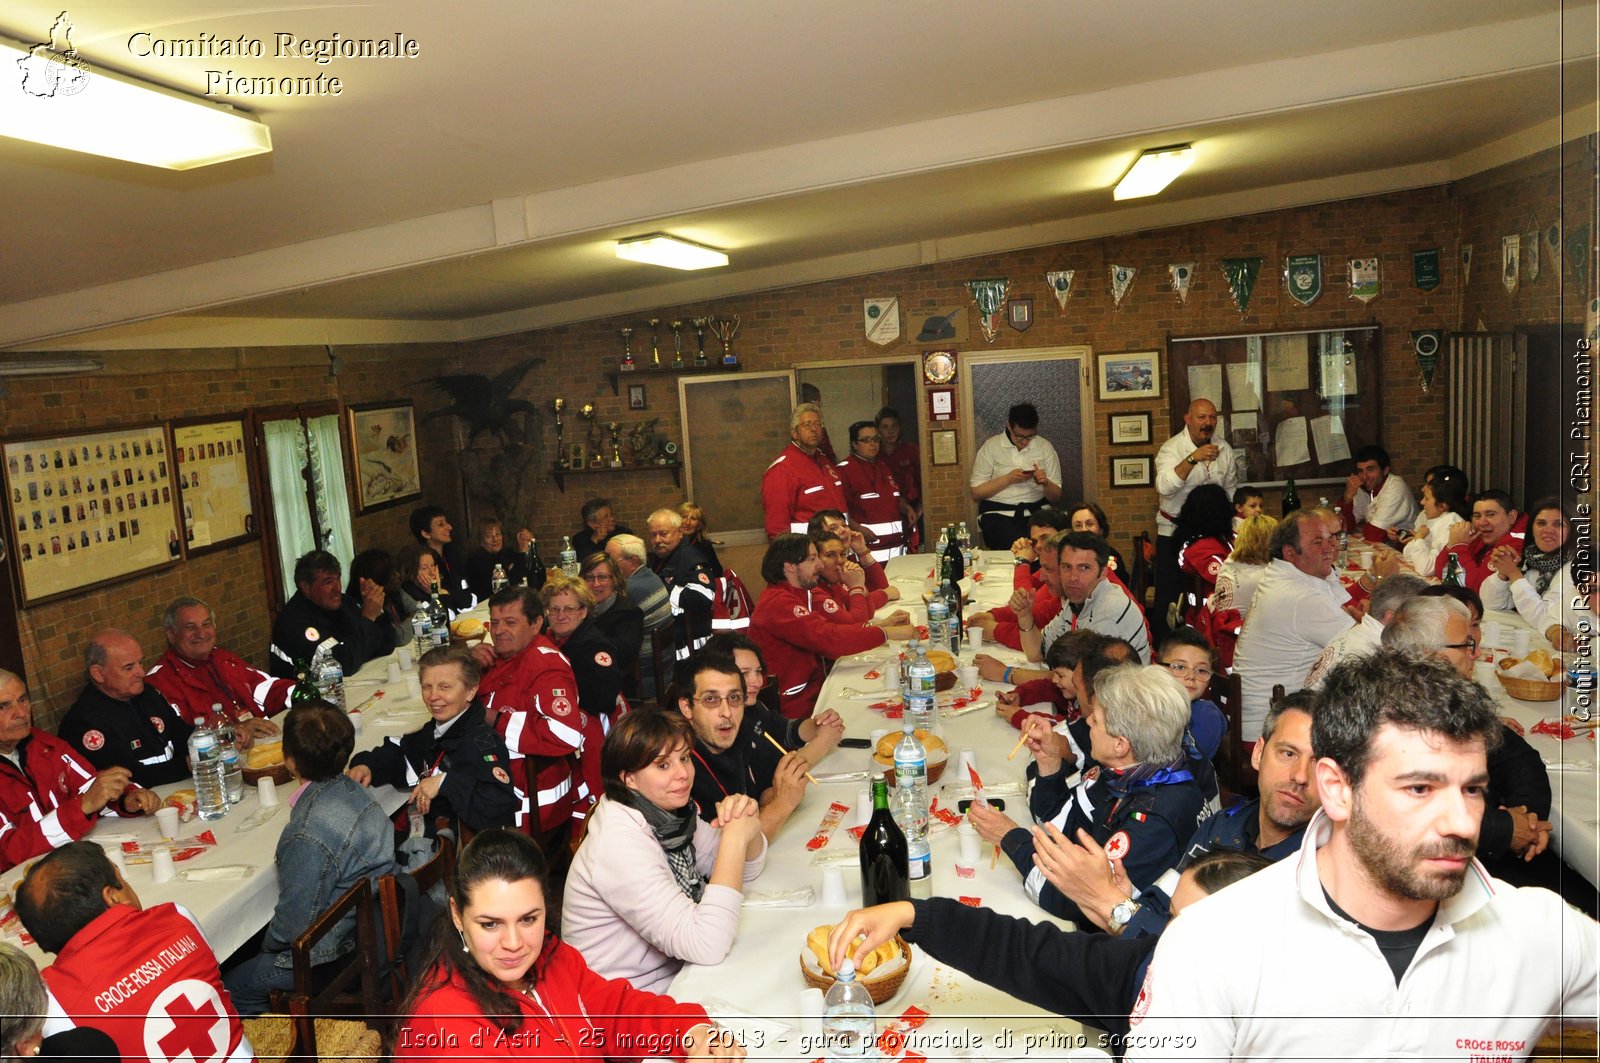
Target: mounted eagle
485, 404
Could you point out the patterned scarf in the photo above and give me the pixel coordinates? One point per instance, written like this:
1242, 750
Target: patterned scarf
675, 832
1540, 567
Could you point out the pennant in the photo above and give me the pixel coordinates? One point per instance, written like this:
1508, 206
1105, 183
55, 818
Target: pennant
1241, 274
1466, 264
882, 320
1591, 322
1182, 274
1060, 282
1426, 344
990, 295
1510, 266
1578, 254
1302, 275
1552, 247
1530, 256
1425, 269
1121, 281
1364, 282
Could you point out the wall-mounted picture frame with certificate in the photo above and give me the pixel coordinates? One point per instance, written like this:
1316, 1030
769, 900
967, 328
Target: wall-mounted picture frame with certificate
1135, 471
383, 454
216, 483
1126, 428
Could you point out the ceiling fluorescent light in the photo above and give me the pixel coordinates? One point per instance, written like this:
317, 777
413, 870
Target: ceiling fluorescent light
67, 105
1154, 170
659, 249
50, 366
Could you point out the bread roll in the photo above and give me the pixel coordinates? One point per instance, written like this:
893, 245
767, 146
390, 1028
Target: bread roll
817, 942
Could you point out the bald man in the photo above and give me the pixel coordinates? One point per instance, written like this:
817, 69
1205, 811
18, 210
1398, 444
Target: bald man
121, 722
1193, 457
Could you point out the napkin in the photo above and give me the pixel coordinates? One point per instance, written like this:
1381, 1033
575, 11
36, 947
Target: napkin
741, 1022
804, 897
1526, 670
840, 776
217, 873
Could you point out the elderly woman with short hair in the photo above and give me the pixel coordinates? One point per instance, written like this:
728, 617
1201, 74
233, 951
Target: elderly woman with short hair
615, 615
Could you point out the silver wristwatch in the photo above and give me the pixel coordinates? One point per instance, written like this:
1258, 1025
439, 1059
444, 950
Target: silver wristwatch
1121, 915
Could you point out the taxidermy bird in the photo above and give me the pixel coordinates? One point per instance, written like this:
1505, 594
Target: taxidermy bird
486, 405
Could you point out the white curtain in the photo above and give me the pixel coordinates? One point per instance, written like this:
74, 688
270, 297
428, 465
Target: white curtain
333, 499
286, 460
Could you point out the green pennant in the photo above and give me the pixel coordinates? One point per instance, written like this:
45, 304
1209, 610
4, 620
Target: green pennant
1302, 275
1578, 255
1425, 269
1241, 274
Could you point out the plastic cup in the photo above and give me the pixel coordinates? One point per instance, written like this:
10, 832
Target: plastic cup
1491, 634
161, 865
114, 854
267, 791
414, 685
966, 766
167, 821
891, 677
809, 1010
833, 888
1519, 641
877, 734
975, 636
968, 674
394, 671
404, 653
863, 806
971, 844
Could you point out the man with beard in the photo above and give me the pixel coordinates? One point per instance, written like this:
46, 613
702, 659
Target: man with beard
1184, 462
1415, 951
732, 751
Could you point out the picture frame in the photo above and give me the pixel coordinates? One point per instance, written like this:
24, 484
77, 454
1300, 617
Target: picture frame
1136, 470
941, 404
1127, 428
636, 397
1129, 375
383, 454
217, 487
945, 451
577, 455
89, 509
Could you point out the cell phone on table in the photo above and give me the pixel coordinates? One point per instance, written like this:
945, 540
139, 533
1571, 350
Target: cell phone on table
855, 743
996, 803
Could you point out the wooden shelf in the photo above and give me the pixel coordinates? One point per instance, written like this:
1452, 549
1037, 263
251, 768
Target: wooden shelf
647, 372
559, 475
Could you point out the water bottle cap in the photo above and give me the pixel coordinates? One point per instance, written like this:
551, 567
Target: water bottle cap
847, 970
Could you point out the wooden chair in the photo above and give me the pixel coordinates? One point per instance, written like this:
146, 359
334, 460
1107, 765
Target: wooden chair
663, 650
1234, 773
441, 869
1141, 581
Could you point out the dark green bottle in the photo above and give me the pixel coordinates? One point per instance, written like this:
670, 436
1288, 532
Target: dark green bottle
1291, 498
885, 863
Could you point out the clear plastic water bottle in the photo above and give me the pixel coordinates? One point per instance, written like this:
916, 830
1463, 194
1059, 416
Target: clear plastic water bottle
965, 538
849, 1021
906, 656
421, 629
497, 581
228, 745
328, 674
205, 761
1344, 538
938, 614
922, 686
911, 807
569, 557
438, 617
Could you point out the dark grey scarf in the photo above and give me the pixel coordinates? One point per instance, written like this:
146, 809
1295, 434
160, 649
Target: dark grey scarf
675, 832
1539, 567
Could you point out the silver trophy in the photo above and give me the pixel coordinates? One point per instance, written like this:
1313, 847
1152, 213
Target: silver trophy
700, 338
725, 329
561, 450
628, 365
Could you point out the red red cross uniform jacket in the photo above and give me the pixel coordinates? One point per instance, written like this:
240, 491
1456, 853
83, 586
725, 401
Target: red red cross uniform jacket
532, 699
795, 487
796, 641
1474, 556
905, 461
149, 980
39, 807
226, 678
849, 606
572, 1013
1202, 560
874, 497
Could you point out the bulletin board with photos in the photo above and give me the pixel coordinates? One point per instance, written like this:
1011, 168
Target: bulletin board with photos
215, 485
1291, 404
89, 509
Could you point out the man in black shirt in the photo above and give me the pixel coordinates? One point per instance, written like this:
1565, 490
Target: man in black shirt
319, 615
120, 722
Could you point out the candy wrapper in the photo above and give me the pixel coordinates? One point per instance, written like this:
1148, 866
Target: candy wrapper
873, 674
1555, 729
199, 843
971, 902
830, 822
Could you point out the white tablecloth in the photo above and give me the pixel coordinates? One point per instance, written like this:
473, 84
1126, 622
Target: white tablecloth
761, 976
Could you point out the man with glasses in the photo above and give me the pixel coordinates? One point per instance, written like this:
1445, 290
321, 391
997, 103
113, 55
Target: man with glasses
800, 481
1012, 473
733, 743
874, 496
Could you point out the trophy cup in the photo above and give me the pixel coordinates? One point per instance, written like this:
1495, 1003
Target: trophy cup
592, 436
561, 449
628, 365
677, 345
616, 445
724, 329
655, 343
700, 338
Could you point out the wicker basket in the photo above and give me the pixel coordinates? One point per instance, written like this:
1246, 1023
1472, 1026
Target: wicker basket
278, 773
1528, 689
879, 989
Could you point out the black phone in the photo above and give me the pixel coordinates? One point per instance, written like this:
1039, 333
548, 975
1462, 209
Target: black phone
855, 743
996, 803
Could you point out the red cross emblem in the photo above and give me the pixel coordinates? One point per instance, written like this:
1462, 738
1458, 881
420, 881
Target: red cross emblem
93, 740
1117, 845
187, 1022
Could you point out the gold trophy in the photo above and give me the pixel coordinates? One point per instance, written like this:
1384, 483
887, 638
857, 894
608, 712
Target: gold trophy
677, 345
592, 436
561, 450
700, 338
628, 365
616, 445
724, 329
655, 343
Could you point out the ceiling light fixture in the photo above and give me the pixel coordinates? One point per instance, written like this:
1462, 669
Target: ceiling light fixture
66, 104
1154, 170
659, 249
50, 366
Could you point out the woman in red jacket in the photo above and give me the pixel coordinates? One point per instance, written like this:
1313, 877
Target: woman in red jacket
499, 986
1205, 532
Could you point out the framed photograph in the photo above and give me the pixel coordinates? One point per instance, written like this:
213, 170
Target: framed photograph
577, 455
944, 447
90, 509
1130, 375
636, 397
941, 404
383, 454
1133, 472
216, 488
1129, 428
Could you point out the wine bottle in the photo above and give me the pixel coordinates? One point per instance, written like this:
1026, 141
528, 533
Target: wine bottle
885, 867
952, 550
1291, 498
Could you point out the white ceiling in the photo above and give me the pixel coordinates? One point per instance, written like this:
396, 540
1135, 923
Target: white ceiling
473, 191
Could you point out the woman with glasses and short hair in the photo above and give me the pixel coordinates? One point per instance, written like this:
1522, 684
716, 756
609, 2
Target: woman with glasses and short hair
615, 615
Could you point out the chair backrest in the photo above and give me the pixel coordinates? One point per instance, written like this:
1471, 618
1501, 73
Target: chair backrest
306, 1001
663, 648
1235, 772
1142, 577
391, 906
732, 607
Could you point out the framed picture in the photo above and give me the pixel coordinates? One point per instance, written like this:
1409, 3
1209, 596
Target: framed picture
1129, 428
636, 397
1133, 472
944, 447
577, 455
1130, 375
941, 404
90, 509
216, 487
383, 454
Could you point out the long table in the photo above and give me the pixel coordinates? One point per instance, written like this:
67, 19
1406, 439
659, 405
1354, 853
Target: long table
760, 977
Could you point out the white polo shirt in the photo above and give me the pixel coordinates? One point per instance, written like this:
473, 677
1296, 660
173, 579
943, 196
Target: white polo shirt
1393, 506
1292, 619
999, 455
1172, 489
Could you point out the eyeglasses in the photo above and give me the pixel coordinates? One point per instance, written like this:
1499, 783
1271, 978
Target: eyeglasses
1179, 668
1471, 646
868, 439
713, 700
564, 610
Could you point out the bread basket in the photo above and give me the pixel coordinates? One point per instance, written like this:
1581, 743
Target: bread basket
1528, 689
880, 988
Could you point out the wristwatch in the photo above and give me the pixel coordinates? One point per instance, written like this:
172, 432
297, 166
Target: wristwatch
1121, 915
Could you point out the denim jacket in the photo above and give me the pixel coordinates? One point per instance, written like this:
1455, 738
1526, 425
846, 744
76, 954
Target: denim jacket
336, 836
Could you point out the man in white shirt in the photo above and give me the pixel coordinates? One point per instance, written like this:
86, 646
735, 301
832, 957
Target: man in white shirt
1376, 502
1297, 611
1184, 462
1074, 564
1365, 637
1011, 474
1415, 950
